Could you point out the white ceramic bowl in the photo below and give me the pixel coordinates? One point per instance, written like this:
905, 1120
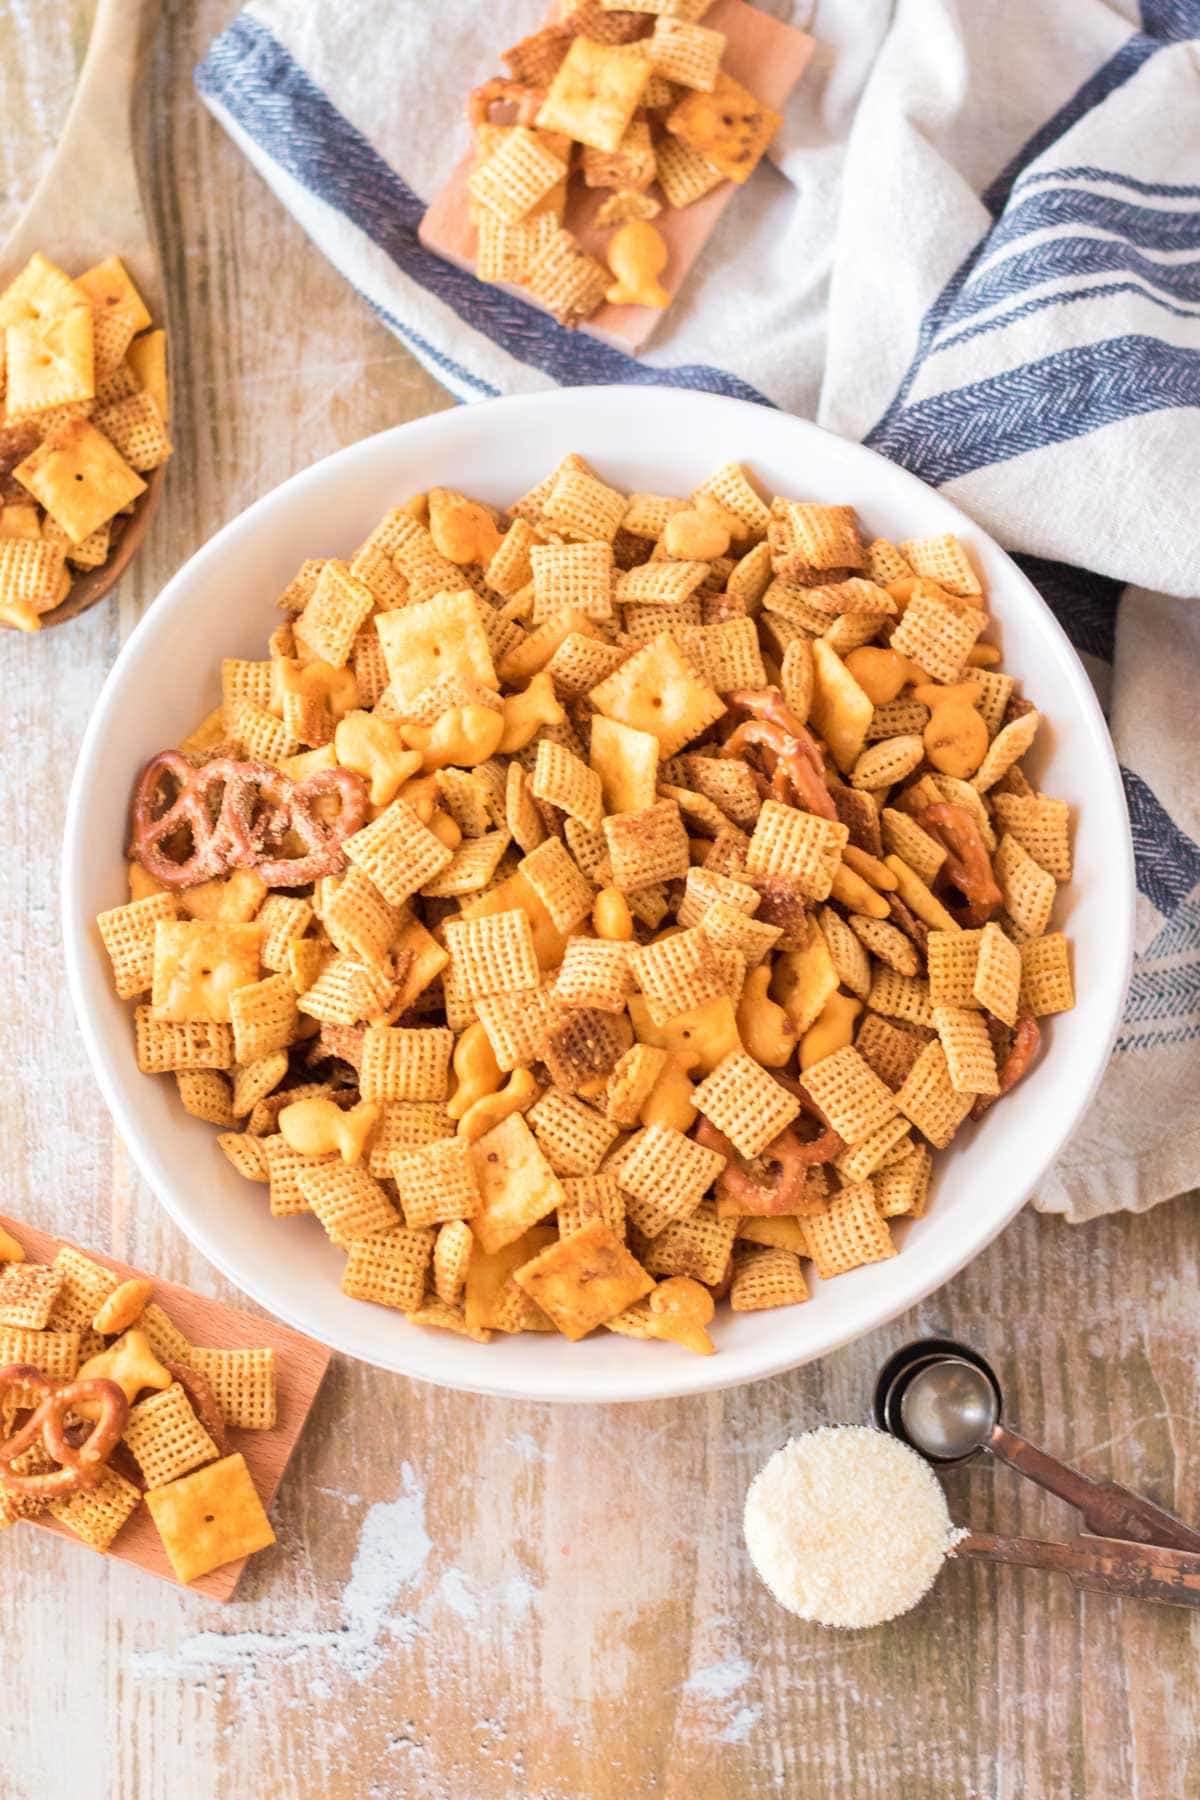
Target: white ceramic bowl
222, 604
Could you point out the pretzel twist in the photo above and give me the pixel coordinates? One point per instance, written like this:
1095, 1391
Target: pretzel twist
968, 867
80, 1466
773, 1182
798, 765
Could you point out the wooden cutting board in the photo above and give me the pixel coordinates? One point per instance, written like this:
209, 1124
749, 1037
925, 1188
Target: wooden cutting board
300, 1366
765, 56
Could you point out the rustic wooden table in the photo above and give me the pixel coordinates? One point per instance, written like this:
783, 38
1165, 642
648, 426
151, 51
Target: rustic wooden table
478, 1600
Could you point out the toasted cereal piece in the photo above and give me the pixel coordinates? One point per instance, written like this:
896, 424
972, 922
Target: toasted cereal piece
944, 560
253, 1081
997, 983
850, 1094
405, 1125
134, 424
764, 1278
572, 577
519, 174
404, 1063
930, 1099
451, 1257
263, 1017
729, 928
849, 1234
436, 1182
631, 1083
96, 1514
336, 610
745, 1103
727, 654
1028, 889
1041, 826
657, 692
435, 1312
801, 846
535, 59
970, 1058
522, 815
887, 943
594, 93
342, 990
583, 1047
918, 898
242, 680
511, 566
594, 973
493, 954
953, 958
903, 837
904, 1187
206, 1095
851, 961
471, 868
349, 1203
663, 1166
574, 1136
898, 718
1046, 985
937, 632
626, 204
704, 888
562, 780
55, 1353
686, 53
166, 1437
994, 691
283, 920
28, 1292
584, 1279
676, 974
164, 1045
725, 125
888, 762
165, 1339
128, 934
728, 783
901, 997
591, 1197
516, 1183
284, 1167
519, 1023
580, 663
564, 891
568, 282
862, 1159
660, 583
210, 1517
1007, 748
647, 846
698, 1246
683, 174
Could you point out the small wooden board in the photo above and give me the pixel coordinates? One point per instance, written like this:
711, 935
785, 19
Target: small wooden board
765, 56
300, 1366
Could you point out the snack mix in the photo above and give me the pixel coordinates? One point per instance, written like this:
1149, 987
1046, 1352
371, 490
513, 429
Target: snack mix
623, 96
602, 908
83, 386
104, 1403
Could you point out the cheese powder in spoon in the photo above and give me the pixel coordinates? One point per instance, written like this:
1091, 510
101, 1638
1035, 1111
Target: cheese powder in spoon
847, 1526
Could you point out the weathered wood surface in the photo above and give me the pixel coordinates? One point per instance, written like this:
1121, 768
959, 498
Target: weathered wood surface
482, 1601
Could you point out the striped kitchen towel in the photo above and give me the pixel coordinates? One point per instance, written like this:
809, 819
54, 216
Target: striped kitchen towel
977, 249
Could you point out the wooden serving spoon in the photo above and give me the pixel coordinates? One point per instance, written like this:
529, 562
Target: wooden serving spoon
88, 205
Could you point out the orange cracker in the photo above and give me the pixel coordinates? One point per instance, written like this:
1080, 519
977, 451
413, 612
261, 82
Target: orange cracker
584, 1279
725, 125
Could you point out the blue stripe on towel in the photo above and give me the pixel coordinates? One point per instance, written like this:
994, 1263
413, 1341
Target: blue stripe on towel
250, 74
1168, 862
1102, 290
1063, 259
1165, 190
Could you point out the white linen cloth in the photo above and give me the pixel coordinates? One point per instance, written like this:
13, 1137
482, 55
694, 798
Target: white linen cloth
978, 250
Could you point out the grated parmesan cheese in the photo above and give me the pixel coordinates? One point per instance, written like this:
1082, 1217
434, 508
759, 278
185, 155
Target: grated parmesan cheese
847, 1526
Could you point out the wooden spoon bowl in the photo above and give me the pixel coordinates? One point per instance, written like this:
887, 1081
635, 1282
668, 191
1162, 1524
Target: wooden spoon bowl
88, 205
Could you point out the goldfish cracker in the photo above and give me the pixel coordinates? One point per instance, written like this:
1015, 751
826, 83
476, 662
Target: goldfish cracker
475, 1068
956, 739
10, 1250
670, 1099
526, 712
517, 1095
695, 536
611, 917
680, 1308
417, 507
983, 656
854, 893
463, 737
124, 1306
131, 1363
832, 1031
373, 748
739, 531
316, 1127
880, 673
637, 255
446, 828
870, 868
462, 529
423, 794
316, 680
763, 1025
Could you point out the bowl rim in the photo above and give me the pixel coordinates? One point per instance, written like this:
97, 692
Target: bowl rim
916, 1277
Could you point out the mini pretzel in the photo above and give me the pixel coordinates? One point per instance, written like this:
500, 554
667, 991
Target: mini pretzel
203, 1401
501, 92
1026, 1037
773, 1182
79, 1467
968, 866
799, 766
257, 806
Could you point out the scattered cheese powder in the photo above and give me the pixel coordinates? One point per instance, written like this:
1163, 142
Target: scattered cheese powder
847, 1526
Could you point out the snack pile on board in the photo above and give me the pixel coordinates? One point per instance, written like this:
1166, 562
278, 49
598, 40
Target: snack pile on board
83, 382
604, 907
601, 161
105, 1403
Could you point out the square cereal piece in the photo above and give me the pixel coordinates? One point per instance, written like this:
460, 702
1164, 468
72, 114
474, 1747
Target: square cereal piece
564, 891
562, 780
535, 58
97, 1514
583, 1047
166, 1437
889, 1050
647, 846
511, 565
1006, 750
451, 1258
699, 1246
849, 1233
134, 424
676, 974
763, 1278
49, 362
581, 663
725, 125
626, 760
591, 1197
903, 1187
938, 631
661, 583
850, 1094
584, 1279
1046, 985
198, 966
80, 478
209, 1518
594, 972
28, 1292
572, 578
683, 174
283, 920
405, 1063
337, 608
862, 1159
903, 837
953, 958
629, 168
396, 850
493, 954
128, 935
341, 990
264, 1017
518, 1024
439, 636
970, 1057
930, 1099
436, 1182
665, 1168
631, 1083
164, 1045
166, 1340
904, 997
595, 92
745, 1103
726, 654
246, 1153
1041, 826
800, 846
807, 537
516, 1183
511, 181
686, 53
55, 1353
1028, 889
243, 1385
997, 983
405, 1125
389, 1270
656, 691
436, 1313
32, 578
471, 868
703, 888
574, 1136
349, 1203
565, 279
284, 1167
944, 560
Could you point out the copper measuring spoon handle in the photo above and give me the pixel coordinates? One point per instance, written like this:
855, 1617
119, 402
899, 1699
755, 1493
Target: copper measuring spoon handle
1107, 1509
1139, 1571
